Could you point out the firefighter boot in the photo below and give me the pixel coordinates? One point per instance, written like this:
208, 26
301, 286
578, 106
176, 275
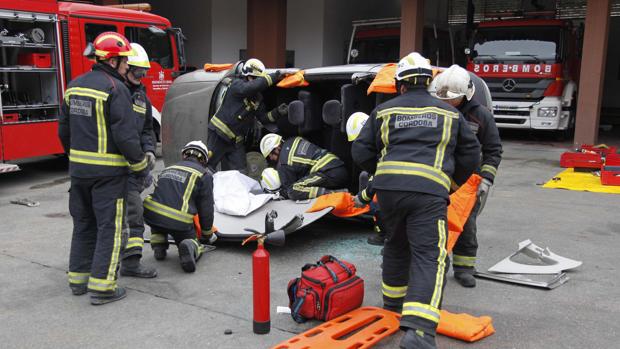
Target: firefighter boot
131, 266
465, 276
377, 239
417, 339
100, 298
190, 251
78, 290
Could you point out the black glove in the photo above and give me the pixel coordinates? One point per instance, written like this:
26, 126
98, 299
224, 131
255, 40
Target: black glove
283, 109
278, 76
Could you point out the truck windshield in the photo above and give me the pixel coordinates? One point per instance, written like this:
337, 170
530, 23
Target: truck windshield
156, 45
517, 44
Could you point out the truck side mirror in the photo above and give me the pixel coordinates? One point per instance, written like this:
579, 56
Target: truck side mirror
296, 113
332, 112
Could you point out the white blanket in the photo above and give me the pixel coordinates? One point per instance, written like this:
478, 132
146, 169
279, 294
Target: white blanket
232, 193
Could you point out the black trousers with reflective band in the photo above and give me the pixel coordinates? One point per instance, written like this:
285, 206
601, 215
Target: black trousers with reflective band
97, 206
415, 256
159, 236
135, 224
466, 247
232, 156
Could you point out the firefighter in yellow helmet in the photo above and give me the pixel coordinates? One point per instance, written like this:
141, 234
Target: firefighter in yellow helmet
98, 130
416, 145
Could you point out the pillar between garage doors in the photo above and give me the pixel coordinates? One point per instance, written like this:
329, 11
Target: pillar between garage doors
411, 26
592, 72
266, 37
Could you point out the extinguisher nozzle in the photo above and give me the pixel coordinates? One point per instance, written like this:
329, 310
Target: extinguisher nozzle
261, 327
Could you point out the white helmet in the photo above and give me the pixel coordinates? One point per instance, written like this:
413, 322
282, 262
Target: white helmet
413, 65
269, 142
355, 123
452, 83
253, 67
141, 59
270, 180
198, 149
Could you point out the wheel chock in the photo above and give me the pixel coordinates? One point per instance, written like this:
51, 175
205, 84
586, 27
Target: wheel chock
361, 328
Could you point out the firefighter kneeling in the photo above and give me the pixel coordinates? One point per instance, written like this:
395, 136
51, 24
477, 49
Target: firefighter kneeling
182, 191
415, 145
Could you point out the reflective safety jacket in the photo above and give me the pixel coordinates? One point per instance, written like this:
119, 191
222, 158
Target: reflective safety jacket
97, 126
242, 104
181, 191
482, 124
415, 142
298, 159
144, 124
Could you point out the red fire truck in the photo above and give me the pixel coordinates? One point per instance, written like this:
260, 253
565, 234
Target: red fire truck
41, 46
531, 67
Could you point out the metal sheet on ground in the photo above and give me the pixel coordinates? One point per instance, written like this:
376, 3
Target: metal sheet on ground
230, 228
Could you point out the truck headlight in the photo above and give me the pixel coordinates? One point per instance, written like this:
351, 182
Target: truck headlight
547, 112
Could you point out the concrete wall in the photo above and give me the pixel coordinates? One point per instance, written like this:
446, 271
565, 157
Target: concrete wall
228, 30
304, 31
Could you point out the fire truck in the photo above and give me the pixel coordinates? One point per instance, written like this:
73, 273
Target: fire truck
41, 51
531, 67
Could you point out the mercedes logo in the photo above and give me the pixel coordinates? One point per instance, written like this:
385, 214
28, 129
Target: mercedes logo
508, 85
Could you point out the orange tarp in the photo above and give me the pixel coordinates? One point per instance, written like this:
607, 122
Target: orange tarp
342, 204
464, 326
210, 67
384, 80
293, 80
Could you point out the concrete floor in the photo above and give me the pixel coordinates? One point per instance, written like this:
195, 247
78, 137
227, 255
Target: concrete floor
178, 310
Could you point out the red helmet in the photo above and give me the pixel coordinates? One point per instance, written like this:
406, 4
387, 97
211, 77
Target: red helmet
112, 44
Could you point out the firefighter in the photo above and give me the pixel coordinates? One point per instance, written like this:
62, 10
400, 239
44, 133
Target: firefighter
353, 127
415, 145
242, 105
132, 253
182, 191
97, 129
454, 86
304, 170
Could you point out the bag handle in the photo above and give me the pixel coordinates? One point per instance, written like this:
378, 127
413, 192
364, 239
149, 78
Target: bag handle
331, 258
331, 272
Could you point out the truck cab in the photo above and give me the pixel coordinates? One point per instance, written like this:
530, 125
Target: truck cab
531, 68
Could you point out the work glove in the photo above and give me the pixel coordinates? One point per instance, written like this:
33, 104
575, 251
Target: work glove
357, 202
483, 193
278, 76
283, 109
150, 158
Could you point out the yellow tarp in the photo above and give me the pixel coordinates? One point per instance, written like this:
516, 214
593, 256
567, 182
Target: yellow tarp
580, 181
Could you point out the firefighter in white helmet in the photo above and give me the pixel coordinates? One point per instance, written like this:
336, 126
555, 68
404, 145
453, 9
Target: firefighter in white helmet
141, 105
416, 145
182, 191
456, 87
235, 118
305, 170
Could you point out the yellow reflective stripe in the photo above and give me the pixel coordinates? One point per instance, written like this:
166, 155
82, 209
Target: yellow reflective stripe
92, 158
86, 92
102, 134
365, 195
385, 133
187, 169
292, 151
116, 248
222, 127
421, 310
188, 192
463, 261
268, 78
78, 278
157, 238
394, 291
305, 186
270, 117
167, 211
139, 109
304, 161
134, 242
441, 264
141, 64
445, 139
101, 285
414, 169
490, 169
414, 111
321, 162
139, 166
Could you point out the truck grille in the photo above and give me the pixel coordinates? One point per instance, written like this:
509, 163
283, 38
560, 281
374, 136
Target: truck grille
522, 88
